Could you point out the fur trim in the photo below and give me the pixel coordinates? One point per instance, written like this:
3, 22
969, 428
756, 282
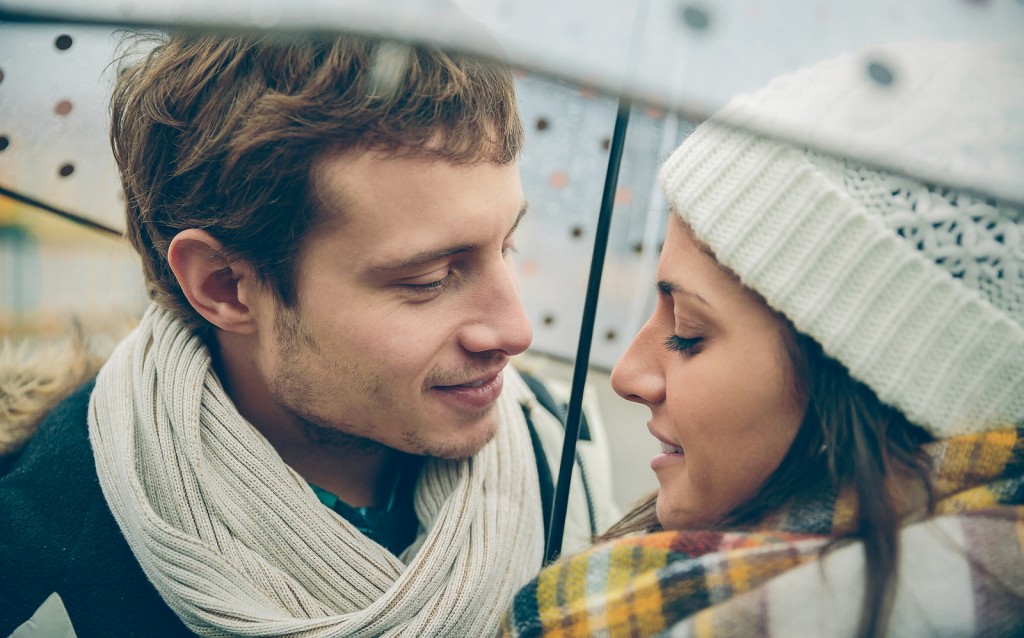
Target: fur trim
34, 377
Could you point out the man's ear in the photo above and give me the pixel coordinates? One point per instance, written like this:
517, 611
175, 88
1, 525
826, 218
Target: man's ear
219, 289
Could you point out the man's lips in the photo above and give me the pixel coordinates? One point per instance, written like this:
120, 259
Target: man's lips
476, 381
467, 376
474, 394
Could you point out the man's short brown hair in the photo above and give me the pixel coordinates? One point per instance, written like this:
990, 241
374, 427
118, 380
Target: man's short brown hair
222, 133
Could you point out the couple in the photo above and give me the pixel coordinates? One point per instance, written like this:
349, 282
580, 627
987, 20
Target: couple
314, 432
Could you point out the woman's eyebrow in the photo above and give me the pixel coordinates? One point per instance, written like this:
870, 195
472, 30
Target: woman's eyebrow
665, 287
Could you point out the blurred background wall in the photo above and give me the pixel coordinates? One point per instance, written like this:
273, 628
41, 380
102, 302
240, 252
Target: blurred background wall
54, 88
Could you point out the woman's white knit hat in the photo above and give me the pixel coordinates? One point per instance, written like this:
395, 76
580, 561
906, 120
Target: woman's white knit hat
917, 289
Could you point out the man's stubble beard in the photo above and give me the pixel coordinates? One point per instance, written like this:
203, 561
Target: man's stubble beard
295, 392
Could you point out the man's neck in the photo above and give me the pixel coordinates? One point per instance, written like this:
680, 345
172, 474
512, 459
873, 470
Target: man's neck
362, 475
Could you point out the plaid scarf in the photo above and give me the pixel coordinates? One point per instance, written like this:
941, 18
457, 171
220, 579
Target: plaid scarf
961, 570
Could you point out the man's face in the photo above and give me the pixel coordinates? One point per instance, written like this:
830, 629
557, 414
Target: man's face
407, 305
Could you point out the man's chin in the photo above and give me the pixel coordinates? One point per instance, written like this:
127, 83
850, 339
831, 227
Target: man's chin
465, 445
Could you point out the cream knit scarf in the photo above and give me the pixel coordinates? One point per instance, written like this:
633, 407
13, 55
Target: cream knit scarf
237, 543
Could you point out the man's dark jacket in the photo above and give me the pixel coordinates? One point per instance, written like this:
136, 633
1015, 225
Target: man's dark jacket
57, 534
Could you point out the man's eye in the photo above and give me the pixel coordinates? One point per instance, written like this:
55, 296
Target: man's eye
508, 247
437, 285
686, 345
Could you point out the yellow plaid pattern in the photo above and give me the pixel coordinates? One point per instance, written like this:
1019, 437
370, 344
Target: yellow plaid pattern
641, 586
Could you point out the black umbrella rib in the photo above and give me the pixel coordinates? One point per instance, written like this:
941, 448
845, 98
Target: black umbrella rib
78, 219
579, 378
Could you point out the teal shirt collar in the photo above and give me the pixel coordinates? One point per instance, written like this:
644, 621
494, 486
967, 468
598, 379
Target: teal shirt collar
393, 526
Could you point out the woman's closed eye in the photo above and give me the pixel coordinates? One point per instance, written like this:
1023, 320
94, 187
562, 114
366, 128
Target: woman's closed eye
686, 345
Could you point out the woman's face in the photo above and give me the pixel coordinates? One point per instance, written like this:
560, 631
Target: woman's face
712, 365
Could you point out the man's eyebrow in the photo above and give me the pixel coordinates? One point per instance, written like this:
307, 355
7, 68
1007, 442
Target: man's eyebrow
424, 257
519, 218
427, 256
665, 287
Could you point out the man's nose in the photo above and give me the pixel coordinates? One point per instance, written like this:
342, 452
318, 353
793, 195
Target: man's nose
500, 320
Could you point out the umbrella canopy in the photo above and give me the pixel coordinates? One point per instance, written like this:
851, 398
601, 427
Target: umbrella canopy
683, 55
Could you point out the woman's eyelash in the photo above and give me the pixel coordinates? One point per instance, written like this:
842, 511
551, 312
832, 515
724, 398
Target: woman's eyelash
683, 344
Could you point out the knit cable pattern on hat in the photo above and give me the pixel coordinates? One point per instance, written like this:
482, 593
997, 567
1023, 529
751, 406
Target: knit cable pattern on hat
238, 544
915, 289
979, 242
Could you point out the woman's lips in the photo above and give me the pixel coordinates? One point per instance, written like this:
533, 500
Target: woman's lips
670, 449
670, 453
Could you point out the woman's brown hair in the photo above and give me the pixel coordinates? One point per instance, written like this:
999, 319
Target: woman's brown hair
848, 439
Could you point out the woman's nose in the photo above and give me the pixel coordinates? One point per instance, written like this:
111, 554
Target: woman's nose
637, 375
